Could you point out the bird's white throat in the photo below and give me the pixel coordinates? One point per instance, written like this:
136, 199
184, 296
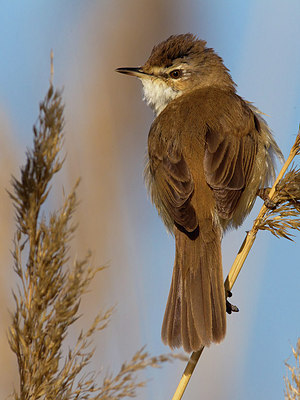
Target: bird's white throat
158, 94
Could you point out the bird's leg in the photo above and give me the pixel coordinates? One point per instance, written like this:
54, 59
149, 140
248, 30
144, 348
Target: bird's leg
230, 308
264, 195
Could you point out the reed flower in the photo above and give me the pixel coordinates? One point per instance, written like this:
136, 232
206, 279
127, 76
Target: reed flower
50, 287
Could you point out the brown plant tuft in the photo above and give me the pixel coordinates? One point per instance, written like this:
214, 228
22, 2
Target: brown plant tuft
292, 384
50, 289
286, 215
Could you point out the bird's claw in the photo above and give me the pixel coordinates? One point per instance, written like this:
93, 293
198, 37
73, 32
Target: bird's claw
230, 308
264, 195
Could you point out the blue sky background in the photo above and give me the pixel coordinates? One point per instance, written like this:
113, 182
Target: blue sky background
259, 42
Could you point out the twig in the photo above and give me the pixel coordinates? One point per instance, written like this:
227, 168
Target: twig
237, 266
187, 374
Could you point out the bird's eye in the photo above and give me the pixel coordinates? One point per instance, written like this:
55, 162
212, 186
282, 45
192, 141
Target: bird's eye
176, 73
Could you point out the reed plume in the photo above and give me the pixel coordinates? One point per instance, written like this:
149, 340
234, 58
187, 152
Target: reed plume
292, 383
50, 287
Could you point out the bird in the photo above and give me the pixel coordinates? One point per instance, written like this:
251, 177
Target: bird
209, 154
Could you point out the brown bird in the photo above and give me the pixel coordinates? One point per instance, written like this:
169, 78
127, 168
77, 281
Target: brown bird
209, 152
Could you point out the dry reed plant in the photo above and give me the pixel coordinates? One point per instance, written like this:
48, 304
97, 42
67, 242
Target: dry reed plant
50, 289
292, 384
286, 216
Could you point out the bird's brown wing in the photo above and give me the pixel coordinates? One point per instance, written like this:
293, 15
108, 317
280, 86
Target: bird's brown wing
175, 186
228, 166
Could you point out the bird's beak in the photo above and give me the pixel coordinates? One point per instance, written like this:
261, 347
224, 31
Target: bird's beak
138, 72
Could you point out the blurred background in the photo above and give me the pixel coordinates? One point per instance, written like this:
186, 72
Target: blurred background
105, 141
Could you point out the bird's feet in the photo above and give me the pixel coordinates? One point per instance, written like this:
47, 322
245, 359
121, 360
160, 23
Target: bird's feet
230, 308
264, 195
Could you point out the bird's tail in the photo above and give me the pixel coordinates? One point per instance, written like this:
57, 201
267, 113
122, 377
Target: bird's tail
195, 313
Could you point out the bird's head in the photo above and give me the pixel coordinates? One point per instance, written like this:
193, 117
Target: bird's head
179, 65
